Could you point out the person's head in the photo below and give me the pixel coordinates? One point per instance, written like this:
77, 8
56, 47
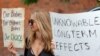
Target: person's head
40, 22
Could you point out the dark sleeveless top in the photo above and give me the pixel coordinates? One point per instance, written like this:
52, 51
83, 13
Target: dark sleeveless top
27, 52
43, 53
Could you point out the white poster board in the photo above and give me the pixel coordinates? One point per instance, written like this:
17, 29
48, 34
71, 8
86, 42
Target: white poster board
13, 26
76, 34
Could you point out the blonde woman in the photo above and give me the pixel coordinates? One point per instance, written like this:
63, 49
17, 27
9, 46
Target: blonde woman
39, 41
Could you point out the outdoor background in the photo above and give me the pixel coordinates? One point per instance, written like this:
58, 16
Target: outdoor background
60, 6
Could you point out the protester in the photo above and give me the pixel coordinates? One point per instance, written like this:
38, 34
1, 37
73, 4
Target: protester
39, 41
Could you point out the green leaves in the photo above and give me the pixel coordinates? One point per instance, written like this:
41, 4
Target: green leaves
28, 2
65, 1
98, 2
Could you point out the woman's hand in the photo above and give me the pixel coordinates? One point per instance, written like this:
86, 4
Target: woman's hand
12, 49
52, 45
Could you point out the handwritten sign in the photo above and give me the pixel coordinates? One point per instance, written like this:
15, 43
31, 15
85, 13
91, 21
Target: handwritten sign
76, 34
13, 26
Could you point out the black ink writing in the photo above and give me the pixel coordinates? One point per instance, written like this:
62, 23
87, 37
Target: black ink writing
72, 46
75, 33
76, 23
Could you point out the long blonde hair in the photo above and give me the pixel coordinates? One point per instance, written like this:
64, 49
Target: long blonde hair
44, 25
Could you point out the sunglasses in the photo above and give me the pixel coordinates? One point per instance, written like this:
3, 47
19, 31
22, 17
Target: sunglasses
30, 22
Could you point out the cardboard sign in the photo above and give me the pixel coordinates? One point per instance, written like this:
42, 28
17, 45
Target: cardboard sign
13, 26
76, 34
